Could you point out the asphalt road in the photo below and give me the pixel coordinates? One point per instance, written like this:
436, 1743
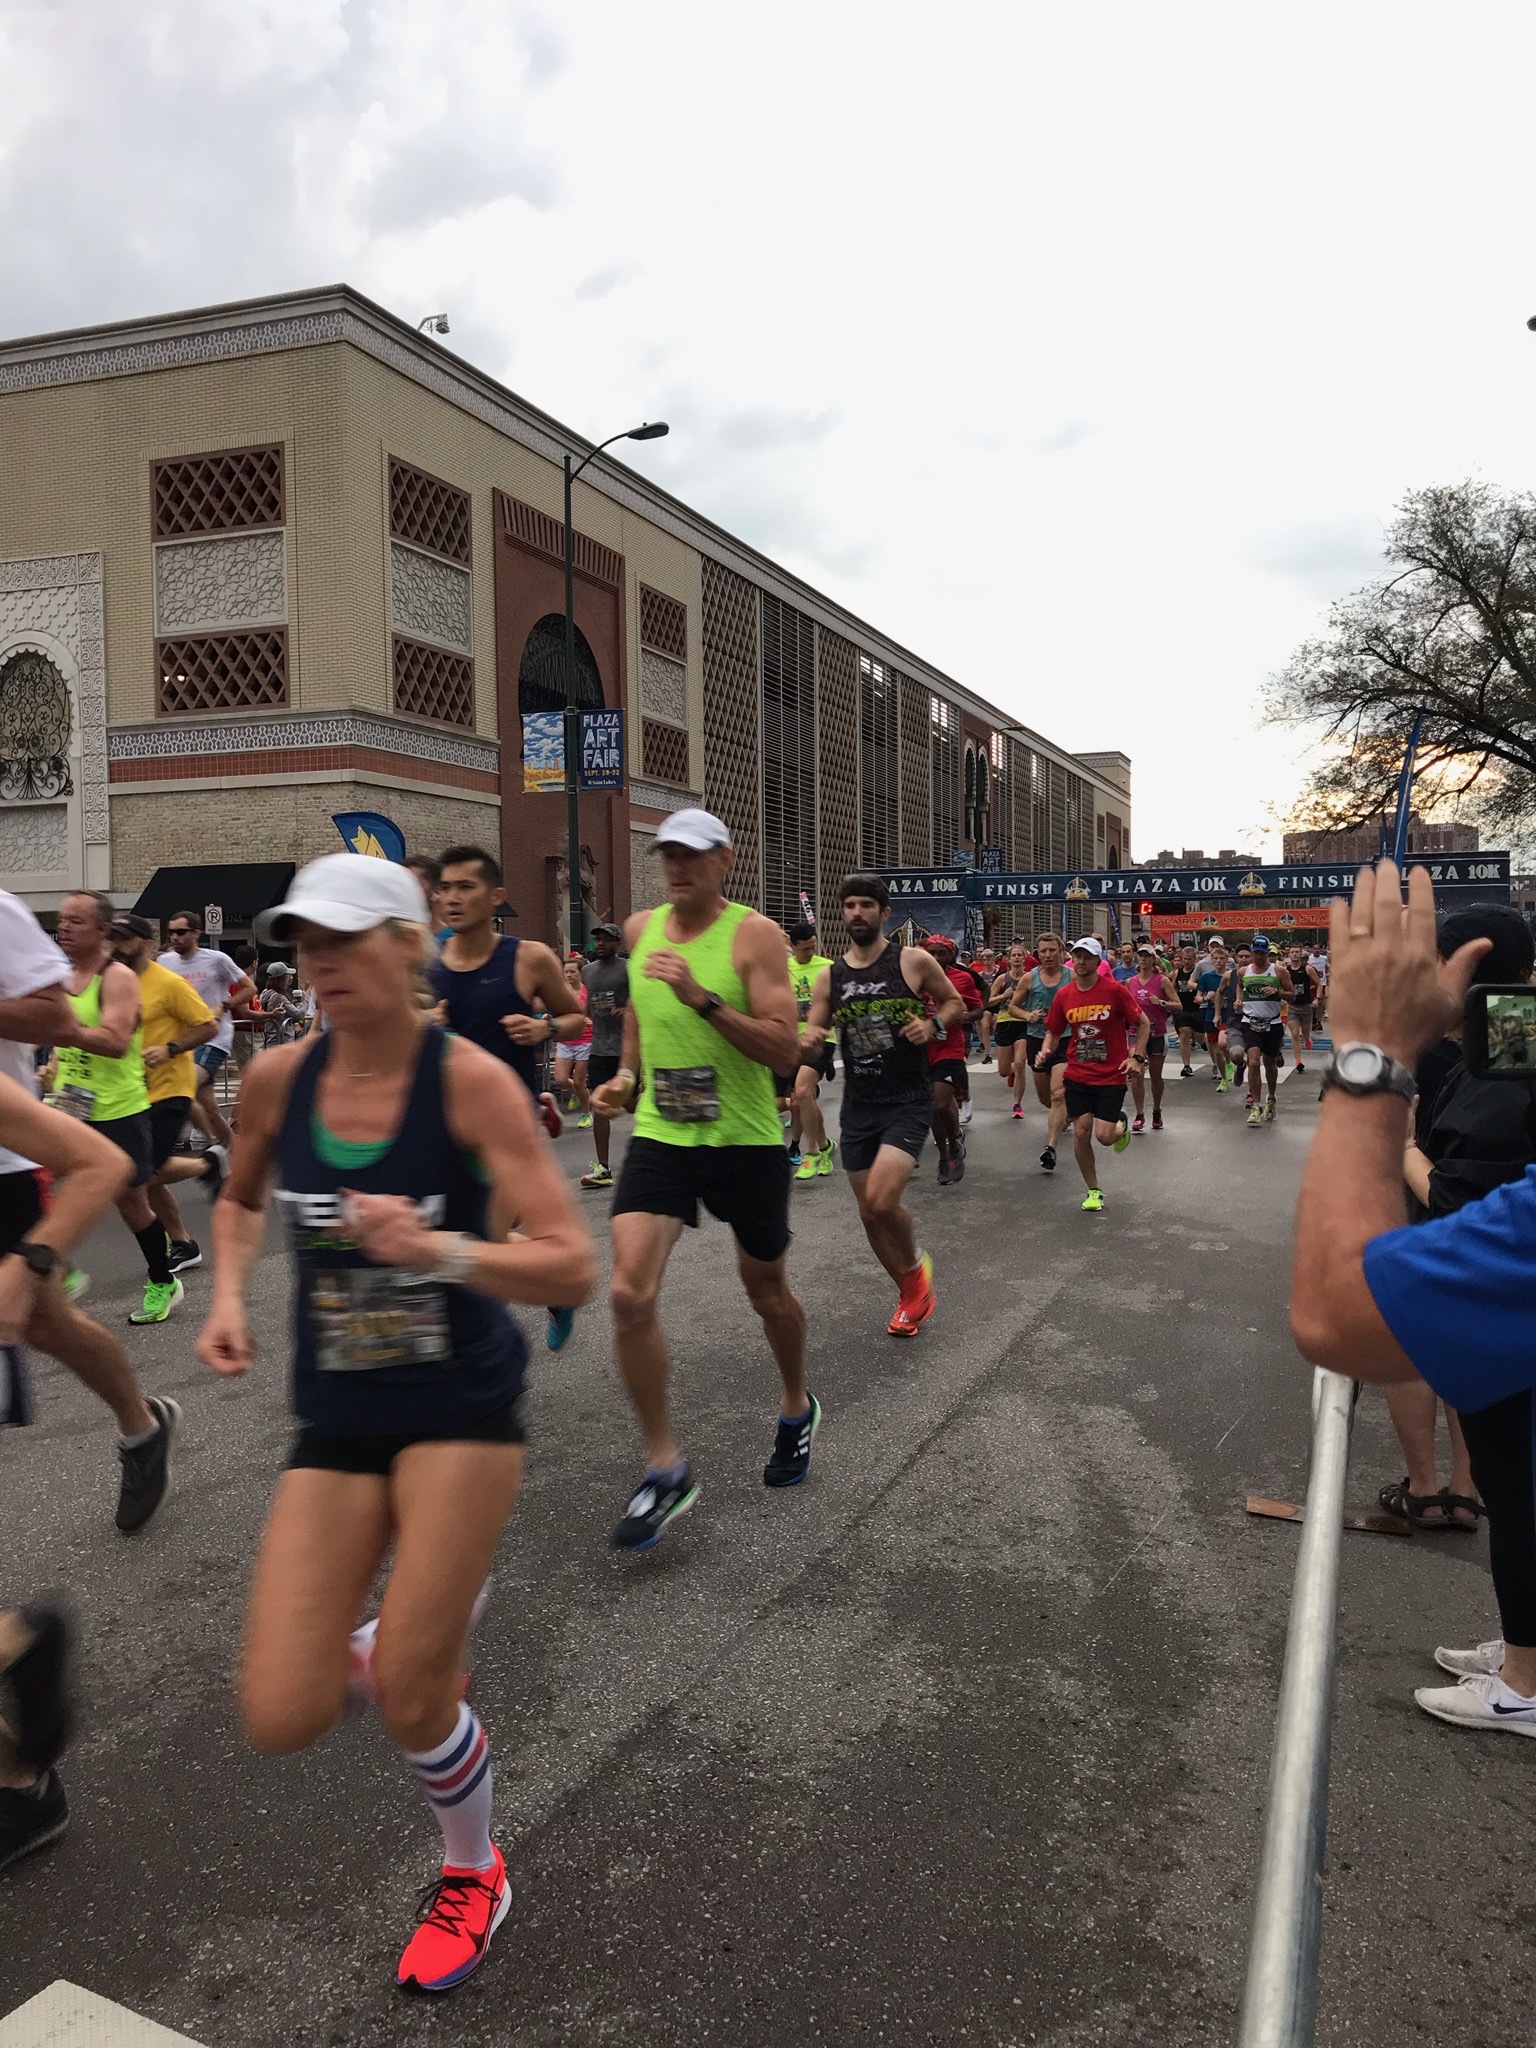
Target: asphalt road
964, 1741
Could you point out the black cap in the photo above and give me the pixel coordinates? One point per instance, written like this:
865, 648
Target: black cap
128, 925
606, 931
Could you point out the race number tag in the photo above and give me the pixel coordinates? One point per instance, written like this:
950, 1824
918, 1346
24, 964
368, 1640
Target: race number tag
686, 1095
74, 1101
365, 1319
1089, 1049
867, 1037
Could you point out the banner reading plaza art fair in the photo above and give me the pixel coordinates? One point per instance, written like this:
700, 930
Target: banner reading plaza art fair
602, 751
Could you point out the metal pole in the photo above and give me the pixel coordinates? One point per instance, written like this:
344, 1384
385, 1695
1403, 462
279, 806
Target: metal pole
576, 909
1280, 1998
1405, 792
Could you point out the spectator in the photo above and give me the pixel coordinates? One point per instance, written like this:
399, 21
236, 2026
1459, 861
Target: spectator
1453, 1299
282, 1009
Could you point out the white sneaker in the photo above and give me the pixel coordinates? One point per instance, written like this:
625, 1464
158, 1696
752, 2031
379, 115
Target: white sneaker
1487, 1657
1481, 1700
966, 1110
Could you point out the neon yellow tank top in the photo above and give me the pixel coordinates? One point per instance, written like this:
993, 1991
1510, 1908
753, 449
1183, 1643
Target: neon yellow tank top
698, 1089
118, 1085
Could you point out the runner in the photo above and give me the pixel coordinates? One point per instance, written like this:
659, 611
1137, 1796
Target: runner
175, 1020
1232, 1021
1265, 983
888, 1003
710, 1021
488, 987
1153, 988
1102, 1013
983, 971
404, 1159
1212, 981
1010, 1030
223, 986
100, 1078
1301, 1009
1045, 978
1186, 1016
572, 1054
809, 1146
946, 1062
606, 981
1124, 968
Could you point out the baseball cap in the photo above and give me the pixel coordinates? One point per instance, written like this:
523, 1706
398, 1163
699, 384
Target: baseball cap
276, 968
1260, 943
344, 892
696, 829
1147, 946
1088, 946
606, 931
128, 926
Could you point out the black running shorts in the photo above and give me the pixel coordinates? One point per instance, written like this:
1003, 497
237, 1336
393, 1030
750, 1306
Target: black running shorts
1057, 1059
167, 1121
131, 1134
1268, 1039
1009, 1030
21, 1206
324, 1451
952, 1071
602, 1067
865, 1126
1187, 1020
746, 1186
1105, 1101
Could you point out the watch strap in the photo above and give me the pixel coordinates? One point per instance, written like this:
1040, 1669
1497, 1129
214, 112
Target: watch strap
1391, 1076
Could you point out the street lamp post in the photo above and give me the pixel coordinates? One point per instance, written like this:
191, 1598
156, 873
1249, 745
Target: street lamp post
576, 909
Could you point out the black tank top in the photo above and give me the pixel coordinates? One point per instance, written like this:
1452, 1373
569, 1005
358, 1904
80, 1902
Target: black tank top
380, 1349
479, 997
869, 1006
1184, 984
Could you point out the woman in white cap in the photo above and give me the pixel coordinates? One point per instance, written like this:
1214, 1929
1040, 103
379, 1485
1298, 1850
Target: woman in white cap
393, 1148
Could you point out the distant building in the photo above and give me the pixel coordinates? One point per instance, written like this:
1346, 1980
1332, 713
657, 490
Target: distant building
1363, 842
1197, 857
1522, 893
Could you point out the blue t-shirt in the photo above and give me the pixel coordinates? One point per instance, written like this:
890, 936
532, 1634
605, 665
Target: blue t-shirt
1459, 1294
1124, 973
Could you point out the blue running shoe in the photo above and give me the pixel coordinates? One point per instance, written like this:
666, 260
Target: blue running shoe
558, 1326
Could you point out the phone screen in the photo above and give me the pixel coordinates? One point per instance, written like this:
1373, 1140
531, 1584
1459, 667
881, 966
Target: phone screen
1501, 1031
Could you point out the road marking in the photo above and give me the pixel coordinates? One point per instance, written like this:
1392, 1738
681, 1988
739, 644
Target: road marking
67, 2016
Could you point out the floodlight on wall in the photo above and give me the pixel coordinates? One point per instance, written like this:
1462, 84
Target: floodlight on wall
435, 323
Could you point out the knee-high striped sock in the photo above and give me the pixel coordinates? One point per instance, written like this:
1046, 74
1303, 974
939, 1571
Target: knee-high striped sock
360, 1681
457, 1779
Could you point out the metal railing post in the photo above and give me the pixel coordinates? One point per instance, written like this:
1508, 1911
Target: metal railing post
1280, 1998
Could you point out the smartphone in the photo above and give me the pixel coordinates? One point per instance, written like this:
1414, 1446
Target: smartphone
1499, 1032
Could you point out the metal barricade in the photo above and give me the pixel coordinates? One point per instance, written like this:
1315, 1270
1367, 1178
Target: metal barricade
1280, 1998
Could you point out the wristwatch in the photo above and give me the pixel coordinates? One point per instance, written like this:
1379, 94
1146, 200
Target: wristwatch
1360, 1069
40, 1259
710, 1004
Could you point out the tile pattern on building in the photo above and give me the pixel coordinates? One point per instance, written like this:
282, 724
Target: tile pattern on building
53, 603
232, 580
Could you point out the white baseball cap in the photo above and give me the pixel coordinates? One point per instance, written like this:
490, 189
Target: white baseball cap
1088, 946
693, 828
344, 892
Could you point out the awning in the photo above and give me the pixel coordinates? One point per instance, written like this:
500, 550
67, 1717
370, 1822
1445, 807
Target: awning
240, 889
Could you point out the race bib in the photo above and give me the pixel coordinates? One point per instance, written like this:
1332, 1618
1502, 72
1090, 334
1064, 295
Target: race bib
365, 1319
73, 1100
686, 1095
1089, 1049
866, 1038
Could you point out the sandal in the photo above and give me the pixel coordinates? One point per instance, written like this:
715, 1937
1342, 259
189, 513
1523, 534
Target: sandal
1457, 1504
1413, 1508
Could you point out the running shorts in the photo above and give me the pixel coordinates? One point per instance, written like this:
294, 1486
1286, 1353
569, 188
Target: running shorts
167, 1121
1009, 1030
21, 1206
866, 1126
745, 1186
1103, 1100
567, 1051
210, 1058
952, 1071
1301, 1018
324, 1451
131, 1134
1057, 1059
1157, 1044
1268, 1039
1237, 1034
1187, 1020
601, 1067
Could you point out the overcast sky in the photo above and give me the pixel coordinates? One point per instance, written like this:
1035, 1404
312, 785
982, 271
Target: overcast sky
1084, 350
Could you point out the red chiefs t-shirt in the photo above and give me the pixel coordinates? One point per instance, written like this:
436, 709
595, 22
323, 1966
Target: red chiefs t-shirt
952, 1047
1104, 1019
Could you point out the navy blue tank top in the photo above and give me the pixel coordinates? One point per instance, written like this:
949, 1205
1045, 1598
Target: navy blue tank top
478, 1000
380, 1349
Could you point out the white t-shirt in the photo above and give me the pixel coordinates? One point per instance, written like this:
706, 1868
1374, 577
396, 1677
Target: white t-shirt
213, 975
1319, 961
29, 961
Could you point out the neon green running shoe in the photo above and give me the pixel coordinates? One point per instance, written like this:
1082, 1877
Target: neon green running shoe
824, 1160
1124, 1139
806, 1170
1094, 1199
160, 1297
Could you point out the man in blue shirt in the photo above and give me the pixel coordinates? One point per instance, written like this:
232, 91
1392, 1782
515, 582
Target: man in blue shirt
1453, 1299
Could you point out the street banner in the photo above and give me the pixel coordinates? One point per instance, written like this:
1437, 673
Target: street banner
602, 750
371, 833
544, 751
1486, 872
1277, 923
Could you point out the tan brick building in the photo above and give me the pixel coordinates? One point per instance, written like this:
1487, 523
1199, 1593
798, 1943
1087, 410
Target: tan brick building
272, 560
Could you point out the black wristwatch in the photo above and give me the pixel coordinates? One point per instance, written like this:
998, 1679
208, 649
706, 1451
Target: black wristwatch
1359, 1069
40, 1259
710, 1004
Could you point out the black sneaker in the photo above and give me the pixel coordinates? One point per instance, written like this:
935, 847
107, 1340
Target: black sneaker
655, 1503
216, 1158
791, 1458
147, 1467
185, 1252
1186, 1073
29, 1820
957, 1168
944, 1173
38, 1681
1048, 1158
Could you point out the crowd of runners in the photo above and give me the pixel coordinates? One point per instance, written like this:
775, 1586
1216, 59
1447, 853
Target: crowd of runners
406, 1138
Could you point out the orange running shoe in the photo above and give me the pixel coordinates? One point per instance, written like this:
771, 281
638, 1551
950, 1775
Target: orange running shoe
467, 1907
918, 1300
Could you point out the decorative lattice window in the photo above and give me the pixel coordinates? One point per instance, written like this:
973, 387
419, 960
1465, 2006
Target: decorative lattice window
789, 760
732, 774
223, 672
879, 766
664, 752
1079, 832
1002, 800
432, 683
35, 729
945, 724
663, 624
837, 781
428, 513
1060, 856
1040, 811
223, 493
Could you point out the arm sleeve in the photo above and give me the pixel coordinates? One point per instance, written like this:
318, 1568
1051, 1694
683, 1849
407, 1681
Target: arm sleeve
1459, 1295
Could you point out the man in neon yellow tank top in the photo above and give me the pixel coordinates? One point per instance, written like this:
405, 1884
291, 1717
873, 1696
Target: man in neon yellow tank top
710, 1021
101, 1077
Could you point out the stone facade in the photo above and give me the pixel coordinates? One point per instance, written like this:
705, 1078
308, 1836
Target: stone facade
52, 605
229, 580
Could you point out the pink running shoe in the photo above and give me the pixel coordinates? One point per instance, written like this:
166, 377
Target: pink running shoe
554, 1122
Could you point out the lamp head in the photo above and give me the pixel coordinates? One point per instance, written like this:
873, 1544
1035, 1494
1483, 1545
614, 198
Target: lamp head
653, 430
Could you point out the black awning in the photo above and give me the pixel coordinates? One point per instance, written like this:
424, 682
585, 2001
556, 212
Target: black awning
240, 889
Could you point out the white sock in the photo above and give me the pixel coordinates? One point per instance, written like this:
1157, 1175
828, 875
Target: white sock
360, 1683
457, 1779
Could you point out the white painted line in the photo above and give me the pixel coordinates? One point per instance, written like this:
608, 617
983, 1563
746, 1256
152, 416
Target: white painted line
66, 2016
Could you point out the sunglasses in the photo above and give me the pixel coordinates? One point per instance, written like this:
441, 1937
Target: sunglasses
179, 931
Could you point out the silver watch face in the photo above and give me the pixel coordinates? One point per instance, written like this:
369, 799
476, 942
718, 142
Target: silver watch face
1359, 1065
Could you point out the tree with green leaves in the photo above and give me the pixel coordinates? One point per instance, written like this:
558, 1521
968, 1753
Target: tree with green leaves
1450, 632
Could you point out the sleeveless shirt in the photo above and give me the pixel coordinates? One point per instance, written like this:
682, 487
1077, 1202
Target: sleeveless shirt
117, 1085
1155, 1007
479, 997
384, 1349
869, 1006
698, 1089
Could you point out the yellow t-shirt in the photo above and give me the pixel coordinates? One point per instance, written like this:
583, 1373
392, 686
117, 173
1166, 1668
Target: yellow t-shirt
171, 1006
